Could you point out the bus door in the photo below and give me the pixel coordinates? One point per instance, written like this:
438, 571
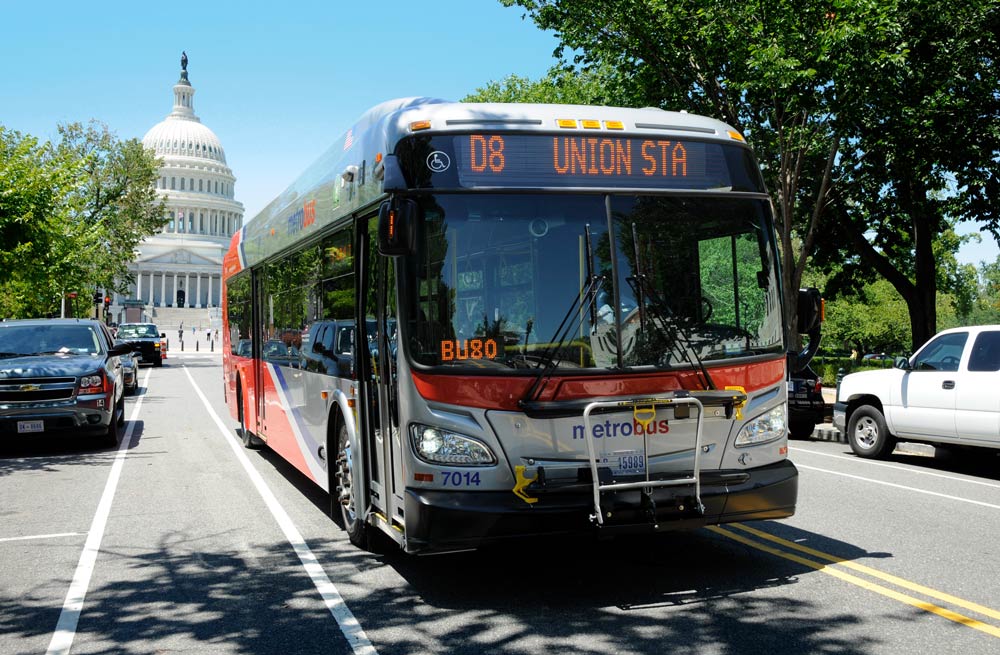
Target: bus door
376, 341
257, 339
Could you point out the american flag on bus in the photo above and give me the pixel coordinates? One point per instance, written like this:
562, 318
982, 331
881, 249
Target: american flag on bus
349, 139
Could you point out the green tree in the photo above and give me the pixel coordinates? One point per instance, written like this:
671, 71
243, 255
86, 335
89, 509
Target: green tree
872, 320
71, 215
924, 130
35, 186
561, 85
876, 118
765, 68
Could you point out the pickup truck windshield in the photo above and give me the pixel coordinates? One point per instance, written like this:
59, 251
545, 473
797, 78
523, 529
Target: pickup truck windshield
677, 280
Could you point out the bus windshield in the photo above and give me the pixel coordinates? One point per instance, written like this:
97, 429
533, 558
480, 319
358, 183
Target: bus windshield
514, 282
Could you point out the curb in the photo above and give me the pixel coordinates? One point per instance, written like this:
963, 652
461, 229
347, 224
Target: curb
826, 432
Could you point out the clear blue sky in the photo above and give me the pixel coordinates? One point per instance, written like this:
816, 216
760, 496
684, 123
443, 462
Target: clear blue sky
277, 82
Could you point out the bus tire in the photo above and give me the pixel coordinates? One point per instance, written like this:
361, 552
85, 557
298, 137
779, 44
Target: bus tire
249, 440
868, 435
343, 502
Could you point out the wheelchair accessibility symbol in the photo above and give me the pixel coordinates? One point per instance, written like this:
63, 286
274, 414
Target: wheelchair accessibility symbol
438, 161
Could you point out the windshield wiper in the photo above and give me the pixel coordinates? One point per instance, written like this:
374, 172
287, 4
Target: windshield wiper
584, 301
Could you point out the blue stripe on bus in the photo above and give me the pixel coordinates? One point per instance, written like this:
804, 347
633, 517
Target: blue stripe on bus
295, 415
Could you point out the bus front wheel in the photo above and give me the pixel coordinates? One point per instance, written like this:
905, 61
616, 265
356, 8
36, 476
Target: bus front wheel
343, 494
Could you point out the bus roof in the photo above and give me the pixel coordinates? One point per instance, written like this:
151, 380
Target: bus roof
345, 178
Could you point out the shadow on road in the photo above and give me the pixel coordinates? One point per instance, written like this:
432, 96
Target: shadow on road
57, 452
691, 591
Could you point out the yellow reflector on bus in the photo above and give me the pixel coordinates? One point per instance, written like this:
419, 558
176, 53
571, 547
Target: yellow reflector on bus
614, 125
566, 122
378, 157
736, 135
591, 125
420, 125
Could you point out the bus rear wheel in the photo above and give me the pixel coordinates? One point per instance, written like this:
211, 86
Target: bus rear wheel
249, 440
342, 497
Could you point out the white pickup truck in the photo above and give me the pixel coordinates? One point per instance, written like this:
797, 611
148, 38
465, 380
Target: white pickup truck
947, 393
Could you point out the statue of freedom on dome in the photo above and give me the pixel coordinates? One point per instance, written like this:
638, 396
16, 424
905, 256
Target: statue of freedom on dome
184, 61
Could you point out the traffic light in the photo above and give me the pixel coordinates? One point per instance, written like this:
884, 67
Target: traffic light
97, 297
107, 302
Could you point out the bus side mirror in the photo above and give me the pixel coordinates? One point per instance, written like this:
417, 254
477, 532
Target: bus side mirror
391, 175
397, 227
811, 310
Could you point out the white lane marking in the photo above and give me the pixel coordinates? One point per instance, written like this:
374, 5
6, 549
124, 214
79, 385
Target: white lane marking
41, 536
334, 602
893, 466
69, 617
898, 486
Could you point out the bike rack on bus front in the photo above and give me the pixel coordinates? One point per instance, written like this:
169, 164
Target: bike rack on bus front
637, 405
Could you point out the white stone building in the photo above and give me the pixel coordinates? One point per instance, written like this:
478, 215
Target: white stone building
182, 265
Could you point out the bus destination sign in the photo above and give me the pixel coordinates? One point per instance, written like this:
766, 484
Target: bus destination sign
492, 160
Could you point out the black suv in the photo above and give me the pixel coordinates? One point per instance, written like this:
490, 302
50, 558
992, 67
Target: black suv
144, 338
60, 375
328, 347
806, 407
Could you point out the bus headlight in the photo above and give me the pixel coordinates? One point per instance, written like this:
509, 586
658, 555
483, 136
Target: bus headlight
766, 427
437, 446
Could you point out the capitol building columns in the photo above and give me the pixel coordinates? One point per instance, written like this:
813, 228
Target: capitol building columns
181, 265
158, 288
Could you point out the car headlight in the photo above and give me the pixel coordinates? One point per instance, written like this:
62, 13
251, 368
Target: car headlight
91, 384
437, 446
766, 427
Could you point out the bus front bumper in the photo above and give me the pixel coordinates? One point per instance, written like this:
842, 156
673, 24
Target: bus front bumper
439, 520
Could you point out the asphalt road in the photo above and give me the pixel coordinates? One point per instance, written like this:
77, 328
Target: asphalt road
181, 541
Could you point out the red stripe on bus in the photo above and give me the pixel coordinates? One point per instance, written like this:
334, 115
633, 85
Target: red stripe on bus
503, 393
278, 427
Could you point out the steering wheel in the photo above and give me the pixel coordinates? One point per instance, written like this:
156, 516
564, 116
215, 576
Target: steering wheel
706, 309
949, 361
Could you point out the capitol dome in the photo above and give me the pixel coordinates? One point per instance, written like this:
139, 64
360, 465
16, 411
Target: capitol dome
181, 266
188, 138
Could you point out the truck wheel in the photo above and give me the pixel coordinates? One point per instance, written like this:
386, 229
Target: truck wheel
342, 495
868, 435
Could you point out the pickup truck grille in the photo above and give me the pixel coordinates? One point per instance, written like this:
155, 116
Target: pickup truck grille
35, 390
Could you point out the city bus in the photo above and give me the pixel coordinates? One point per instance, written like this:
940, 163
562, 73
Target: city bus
475, 322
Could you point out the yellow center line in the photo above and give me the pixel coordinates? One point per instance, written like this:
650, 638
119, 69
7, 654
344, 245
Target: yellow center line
875, 573
847, 577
